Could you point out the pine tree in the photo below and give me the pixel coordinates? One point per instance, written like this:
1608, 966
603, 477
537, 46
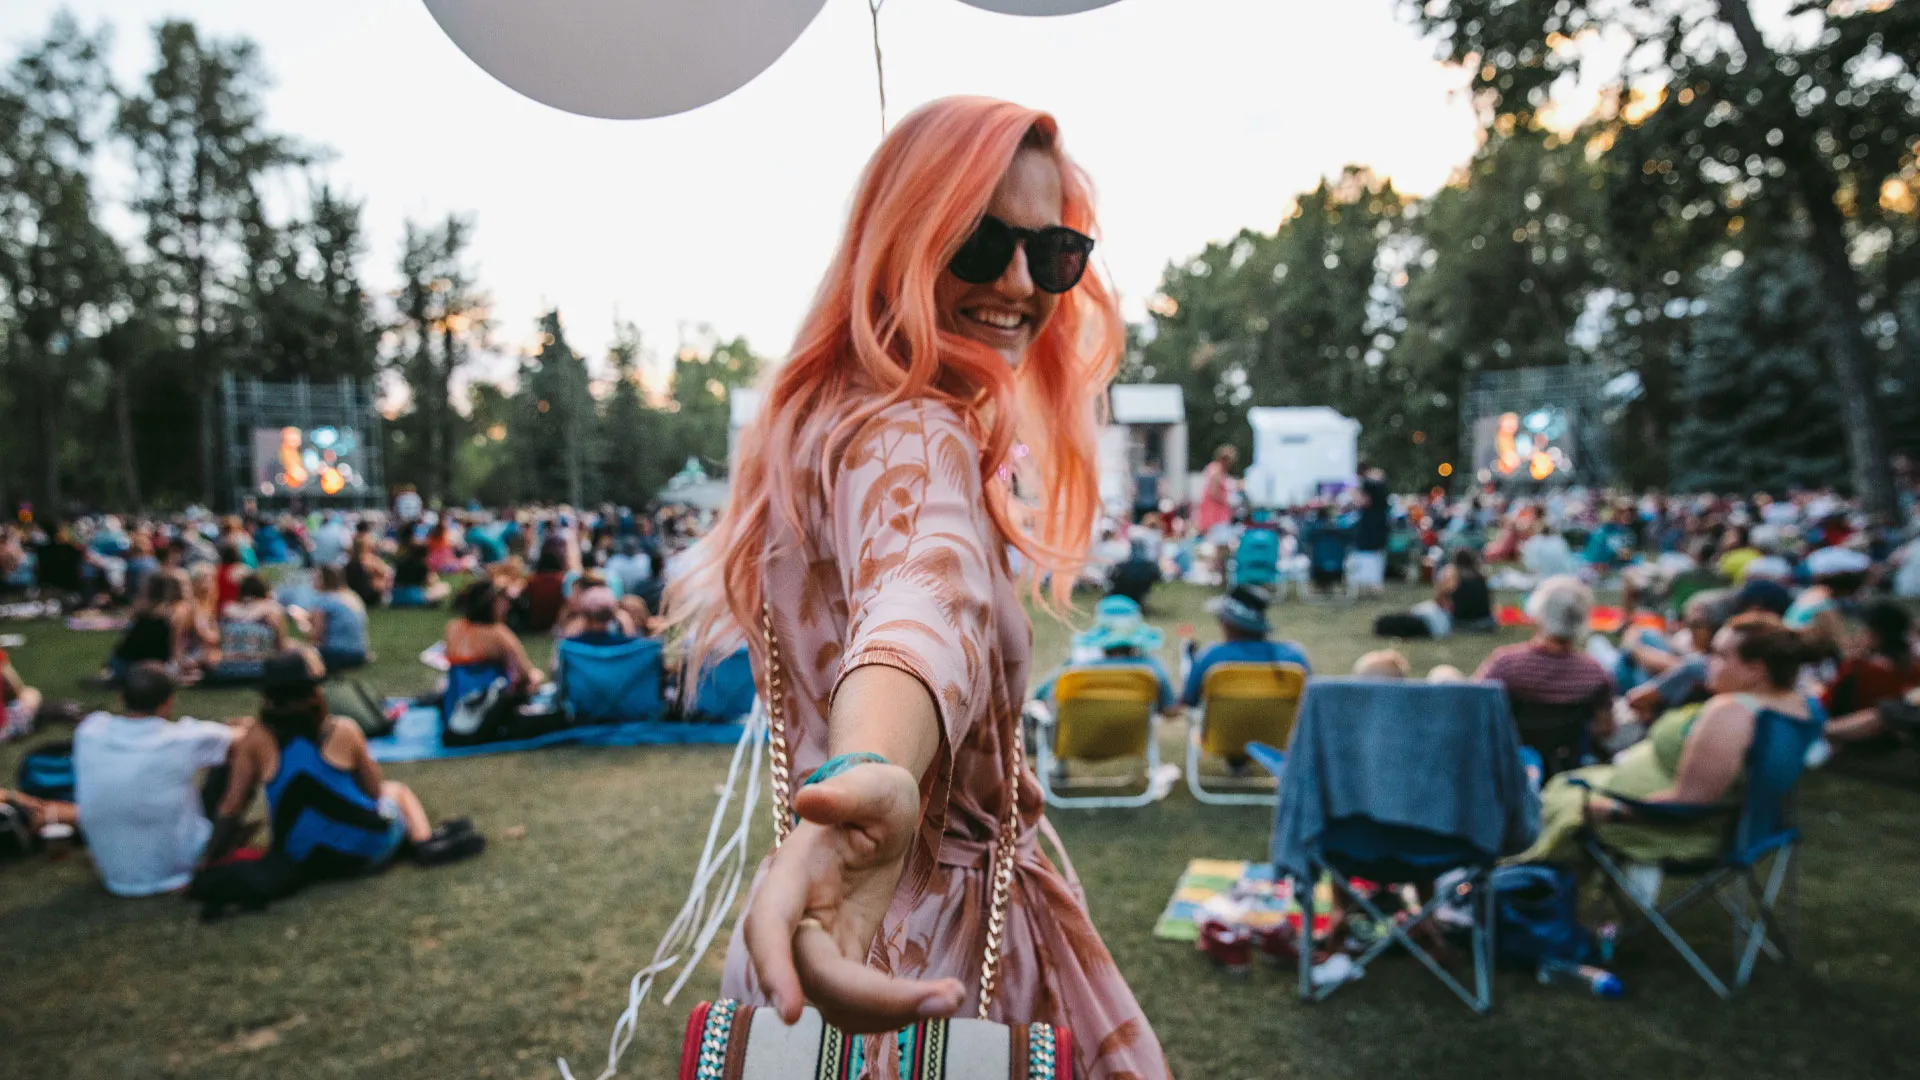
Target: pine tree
1762, 411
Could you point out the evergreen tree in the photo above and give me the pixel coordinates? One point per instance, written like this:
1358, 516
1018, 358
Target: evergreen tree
555, 416
1761, 411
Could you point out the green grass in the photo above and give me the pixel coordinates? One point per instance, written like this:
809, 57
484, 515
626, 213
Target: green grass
493, 967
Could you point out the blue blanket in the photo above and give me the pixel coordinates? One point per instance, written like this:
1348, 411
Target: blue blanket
416, 737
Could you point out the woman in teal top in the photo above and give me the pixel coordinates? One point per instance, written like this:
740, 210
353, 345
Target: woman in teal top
1691, 756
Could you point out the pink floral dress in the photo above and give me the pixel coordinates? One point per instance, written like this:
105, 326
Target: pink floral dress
898, 563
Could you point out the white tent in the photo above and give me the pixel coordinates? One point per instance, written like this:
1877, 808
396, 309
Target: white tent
1299, 452
1148, 428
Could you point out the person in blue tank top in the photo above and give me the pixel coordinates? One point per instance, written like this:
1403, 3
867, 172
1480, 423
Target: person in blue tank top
331, 812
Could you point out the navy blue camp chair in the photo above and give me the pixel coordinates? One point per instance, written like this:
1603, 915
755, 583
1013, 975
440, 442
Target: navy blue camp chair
1762, 826
611, 684
1450, 746
725, 691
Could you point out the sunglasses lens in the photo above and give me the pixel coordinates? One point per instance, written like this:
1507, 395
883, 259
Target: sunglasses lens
1057, 258
985, 255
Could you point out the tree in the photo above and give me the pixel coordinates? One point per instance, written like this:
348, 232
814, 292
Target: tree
557, 408
1500, 272
442, 316
200, 148
58, 267
1298, 317
631, 465
1724, 126
1761, 415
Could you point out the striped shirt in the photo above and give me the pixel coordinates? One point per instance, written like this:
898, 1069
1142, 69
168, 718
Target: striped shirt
1547, 677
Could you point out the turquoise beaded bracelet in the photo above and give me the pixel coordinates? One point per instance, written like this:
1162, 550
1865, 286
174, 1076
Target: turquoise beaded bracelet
840, 763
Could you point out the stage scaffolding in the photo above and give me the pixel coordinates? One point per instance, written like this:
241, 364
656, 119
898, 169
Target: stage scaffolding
250, 404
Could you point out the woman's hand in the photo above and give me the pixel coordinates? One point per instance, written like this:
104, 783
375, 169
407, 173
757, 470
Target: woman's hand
817, 912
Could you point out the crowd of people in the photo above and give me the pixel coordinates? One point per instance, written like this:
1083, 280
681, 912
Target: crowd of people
279, 604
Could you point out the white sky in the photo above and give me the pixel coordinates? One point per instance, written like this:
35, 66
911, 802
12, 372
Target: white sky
1196, 118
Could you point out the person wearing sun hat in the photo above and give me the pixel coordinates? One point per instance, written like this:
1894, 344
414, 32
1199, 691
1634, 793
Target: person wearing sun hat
1120, 636
1827, 610
1244, 626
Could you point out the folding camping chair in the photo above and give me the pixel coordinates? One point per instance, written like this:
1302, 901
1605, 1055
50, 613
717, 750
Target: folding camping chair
724, 692
1558, 733
1240, 704
1102, 713
1762, 825
611, 684
1371, 758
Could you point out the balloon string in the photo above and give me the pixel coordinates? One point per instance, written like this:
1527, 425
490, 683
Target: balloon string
879, 69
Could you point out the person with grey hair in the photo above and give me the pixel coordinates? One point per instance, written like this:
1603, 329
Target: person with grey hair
1552, 669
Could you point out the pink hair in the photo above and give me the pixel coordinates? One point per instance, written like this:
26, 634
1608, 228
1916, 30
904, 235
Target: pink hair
872, 339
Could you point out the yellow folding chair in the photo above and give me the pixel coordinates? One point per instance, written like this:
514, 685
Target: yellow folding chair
1102, 713
1242, 703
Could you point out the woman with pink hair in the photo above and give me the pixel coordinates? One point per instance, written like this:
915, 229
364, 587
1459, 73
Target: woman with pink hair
865, 557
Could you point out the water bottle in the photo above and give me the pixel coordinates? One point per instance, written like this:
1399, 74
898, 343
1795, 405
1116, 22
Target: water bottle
1596, 981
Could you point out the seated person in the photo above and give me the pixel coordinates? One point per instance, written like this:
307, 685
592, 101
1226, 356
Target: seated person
1827, 610
1243, 625
1119, 637
1887, 673
1135, 576
632, 568
161, 629
333, 814
1383, 664
415, 585
597, 618
336, 623
1551, 669
479, 635
545, 594
1693, 755
134, 784
1462, 600
19, 703
252, 628
1684, 681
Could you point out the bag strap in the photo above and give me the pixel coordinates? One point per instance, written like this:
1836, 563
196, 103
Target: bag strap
1005, 842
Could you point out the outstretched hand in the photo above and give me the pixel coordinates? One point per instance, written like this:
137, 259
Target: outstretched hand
820, 906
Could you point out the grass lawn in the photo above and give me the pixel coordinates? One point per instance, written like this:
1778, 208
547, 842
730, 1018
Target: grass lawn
493, 967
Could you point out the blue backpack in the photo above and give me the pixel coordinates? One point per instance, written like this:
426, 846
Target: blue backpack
1258, 560
1537, 917
47, 772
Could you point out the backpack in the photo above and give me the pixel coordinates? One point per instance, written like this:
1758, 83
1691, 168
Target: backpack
1401, 625
46, 772
16, 830
351, 698
480, 716
1536, 917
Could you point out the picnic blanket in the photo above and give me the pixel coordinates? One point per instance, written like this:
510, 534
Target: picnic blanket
416, 737
1240, 893
1604, 620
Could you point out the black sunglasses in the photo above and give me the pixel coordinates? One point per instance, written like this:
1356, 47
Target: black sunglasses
1056, 255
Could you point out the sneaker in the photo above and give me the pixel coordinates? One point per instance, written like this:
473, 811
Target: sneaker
447, 847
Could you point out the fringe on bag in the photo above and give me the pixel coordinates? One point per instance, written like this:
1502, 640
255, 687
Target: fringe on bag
722, 870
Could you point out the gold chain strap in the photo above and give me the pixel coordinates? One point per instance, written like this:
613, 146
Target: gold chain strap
1004, 845
781, 769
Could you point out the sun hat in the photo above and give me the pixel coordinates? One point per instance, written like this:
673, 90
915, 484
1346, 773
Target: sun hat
1245, 608
1119, 624
1834, 561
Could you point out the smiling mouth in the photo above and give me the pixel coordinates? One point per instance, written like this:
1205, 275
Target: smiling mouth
1002, 321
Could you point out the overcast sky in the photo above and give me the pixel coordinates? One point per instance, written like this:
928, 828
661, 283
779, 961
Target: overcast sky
1196, 118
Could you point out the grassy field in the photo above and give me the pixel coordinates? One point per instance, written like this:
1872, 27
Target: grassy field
493, 967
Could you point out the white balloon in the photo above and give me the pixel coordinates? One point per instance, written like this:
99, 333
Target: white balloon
1038, 7
624, 59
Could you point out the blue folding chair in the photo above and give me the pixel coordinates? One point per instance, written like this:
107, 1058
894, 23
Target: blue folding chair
611, 684
1762, 825
1391, 781
725, 691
